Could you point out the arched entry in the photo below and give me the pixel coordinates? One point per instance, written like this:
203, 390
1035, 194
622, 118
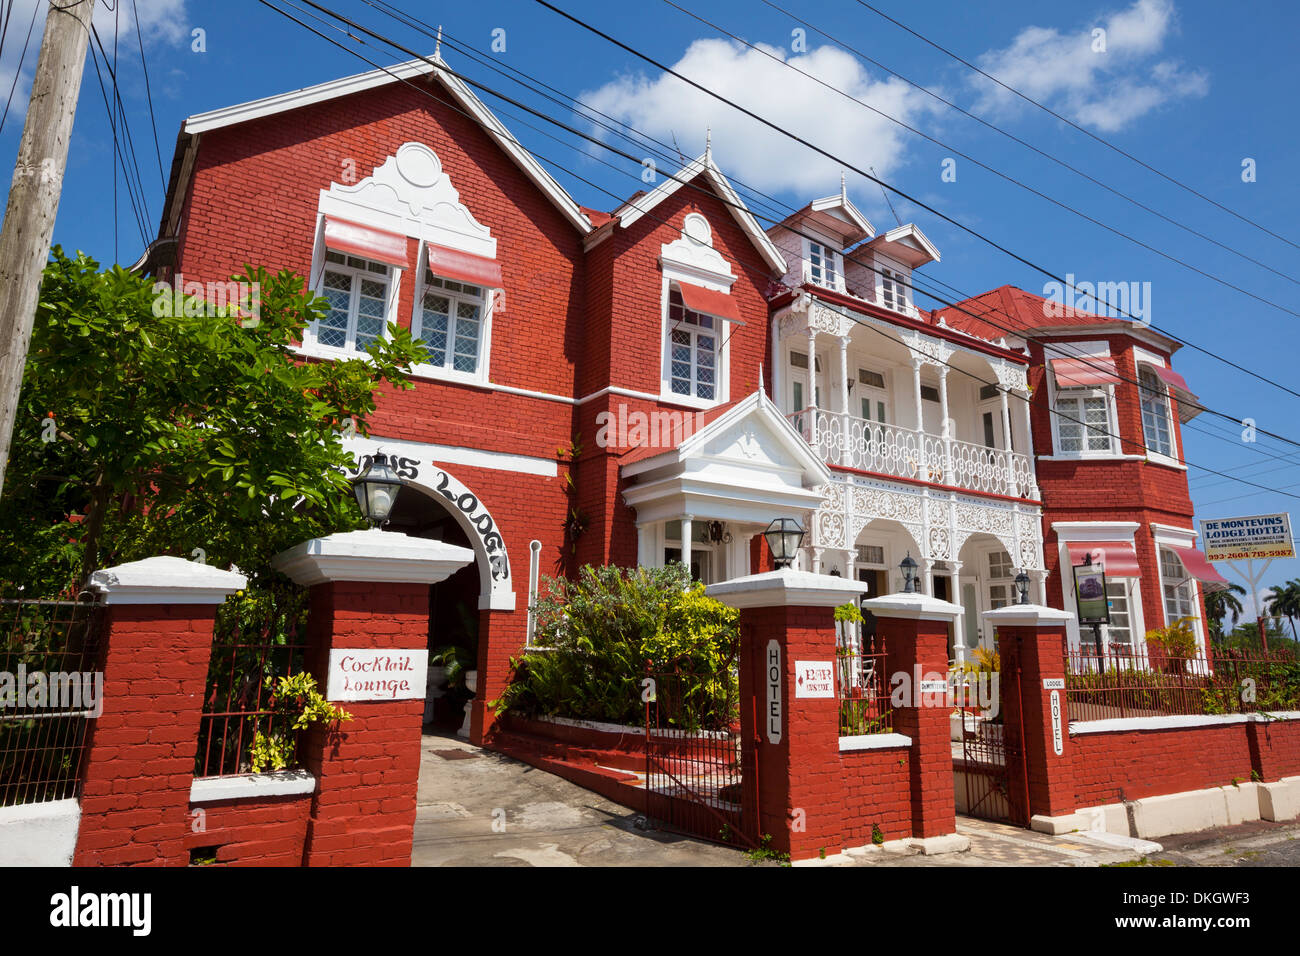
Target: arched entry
986, 580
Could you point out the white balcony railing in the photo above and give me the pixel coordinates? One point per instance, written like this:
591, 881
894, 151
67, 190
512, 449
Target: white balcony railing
907, 453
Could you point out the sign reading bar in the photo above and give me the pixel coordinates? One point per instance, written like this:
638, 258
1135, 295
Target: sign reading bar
377, 675
814, 679
1255, 536
772, 714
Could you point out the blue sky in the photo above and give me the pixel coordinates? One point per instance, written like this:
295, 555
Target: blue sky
1186, 86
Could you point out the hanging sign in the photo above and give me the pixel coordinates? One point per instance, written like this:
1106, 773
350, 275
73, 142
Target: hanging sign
1090, 594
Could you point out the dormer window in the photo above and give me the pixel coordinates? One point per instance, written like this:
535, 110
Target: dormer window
824, 266
895, 291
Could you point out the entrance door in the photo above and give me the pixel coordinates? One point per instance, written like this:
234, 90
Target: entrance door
972, 625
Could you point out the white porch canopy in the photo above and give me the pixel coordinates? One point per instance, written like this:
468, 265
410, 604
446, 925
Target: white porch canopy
744, 468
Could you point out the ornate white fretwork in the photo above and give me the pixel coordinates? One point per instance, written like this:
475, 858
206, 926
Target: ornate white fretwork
1011, 376
926, 349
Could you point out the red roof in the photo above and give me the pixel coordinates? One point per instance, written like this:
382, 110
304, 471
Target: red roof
649, 451
1010, 308
597, 217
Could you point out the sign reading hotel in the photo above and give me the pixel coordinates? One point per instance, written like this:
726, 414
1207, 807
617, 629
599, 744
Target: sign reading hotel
814, 679
377, 674
773, 711
1256, 536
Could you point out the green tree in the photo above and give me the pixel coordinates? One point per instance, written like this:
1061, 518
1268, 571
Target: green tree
1223, 603
149, 425
1285, 602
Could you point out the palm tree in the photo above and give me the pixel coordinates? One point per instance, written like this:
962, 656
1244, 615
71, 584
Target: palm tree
1285, 601
1220, 604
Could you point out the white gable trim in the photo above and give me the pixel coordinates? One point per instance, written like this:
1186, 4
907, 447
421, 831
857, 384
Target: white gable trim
634, 209
271, 105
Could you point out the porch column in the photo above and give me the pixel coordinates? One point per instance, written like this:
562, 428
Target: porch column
845, 456
916, 394
686, 540
645, 537
367, 645
1006, 442
1040, 588
947, 425
816, 560
927, 575
959, 625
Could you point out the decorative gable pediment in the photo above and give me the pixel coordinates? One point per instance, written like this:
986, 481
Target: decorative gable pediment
412, 195
692, 257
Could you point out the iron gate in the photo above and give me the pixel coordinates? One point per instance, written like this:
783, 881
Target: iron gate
990, 760
695, 766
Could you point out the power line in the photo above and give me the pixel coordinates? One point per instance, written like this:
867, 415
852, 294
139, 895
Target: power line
762, 271
135, 14
1091, 135
822, 152
1011, 179
496, 93
19, 71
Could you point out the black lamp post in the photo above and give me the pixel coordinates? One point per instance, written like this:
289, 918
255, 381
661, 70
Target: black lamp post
783, 536
1022, 586
908, 564
376, 489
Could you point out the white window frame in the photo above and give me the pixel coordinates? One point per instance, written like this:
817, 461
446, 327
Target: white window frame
1161, 394
311, 345
878, 394
722, 347
1105, 391
825, 252
446, 371
1166, 538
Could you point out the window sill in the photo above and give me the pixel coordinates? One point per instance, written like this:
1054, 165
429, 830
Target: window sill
1096, 457
436, 373
686, 401
318, 351
1155, 458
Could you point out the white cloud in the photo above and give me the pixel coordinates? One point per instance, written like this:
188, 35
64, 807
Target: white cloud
1104, 90
161, 22
664, 107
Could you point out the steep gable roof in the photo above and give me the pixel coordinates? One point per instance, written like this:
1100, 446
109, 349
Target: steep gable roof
194, 126
641, 204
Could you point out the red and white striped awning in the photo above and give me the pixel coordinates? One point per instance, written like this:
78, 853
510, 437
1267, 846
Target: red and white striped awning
709, 301
464, 266
365, 241
1118, 558
1084, 372
1199, 567
1188, 403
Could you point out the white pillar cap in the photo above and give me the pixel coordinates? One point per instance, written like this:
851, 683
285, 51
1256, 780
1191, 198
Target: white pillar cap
786, 588
916, 607
166, 580
380, 556
1027, 615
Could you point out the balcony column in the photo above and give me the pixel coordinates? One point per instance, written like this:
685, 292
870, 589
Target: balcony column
686, 541
916, 393
844, 452
1006, 442
947, 425
812, 386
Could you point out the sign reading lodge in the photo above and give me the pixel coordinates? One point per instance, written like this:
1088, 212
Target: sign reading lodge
1255, 536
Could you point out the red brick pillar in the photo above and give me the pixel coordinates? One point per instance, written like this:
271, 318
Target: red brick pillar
790, 741
367, 637
501, 636
914, 628
139, 758
1031, 644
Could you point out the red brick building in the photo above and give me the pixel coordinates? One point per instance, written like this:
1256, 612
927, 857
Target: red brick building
657, 383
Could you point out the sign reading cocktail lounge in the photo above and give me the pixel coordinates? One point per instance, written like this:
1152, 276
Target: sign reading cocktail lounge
369, 674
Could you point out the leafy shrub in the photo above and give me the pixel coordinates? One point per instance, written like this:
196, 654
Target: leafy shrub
599, 637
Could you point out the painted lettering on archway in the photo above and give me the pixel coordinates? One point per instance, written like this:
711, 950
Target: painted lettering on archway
477, 519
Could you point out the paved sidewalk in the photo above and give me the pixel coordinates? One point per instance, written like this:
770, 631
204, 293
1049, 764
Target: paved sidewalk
479, 808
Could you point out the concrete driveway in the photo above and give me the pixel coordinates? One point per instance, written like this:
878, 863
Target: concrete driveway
478, 808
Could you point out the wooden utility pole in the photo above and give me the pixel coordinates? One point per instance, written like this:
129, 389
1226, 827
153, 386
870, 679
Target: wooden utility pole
34, 195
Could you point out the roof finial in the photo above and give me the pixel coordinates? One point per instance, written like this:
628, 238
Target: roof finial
437, 45
844, 196
708, 142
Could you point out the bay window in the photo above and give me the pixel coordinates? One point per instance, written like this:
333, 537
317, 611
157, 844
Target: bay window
1177, 586
1083, 422
1156, 426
